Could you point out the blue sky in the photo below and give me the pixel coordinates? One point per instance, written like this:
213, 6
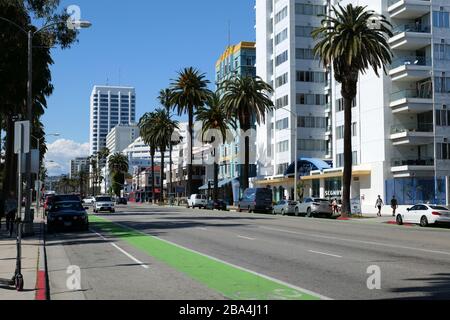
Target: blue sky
145, 42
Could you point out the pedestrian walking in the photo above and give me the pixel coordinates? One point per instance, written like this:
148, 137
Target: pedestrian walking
394, 206
379, 205
335, 207
11, 212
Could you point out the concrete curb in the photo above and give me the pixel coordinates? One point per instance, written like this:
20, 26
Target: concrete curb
42, 288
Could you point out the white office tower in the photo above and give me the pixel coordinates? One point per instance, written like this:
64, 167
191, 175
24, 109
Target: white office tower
401, 120
285, 59
110, 106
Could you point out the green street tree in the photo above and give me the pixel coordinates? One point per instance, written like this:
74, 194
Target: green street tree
145, 125
246, 99
352, 40
189, 92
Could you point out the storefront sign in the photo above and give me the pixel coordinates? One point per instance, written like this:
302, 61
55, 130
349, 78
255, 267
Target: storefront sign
335, 193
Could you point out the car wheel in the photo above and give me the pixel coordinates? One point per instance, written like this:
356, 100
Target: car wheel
297, 213
309, 213
399, 220
283, 213
113, 211
274, 212
424, 222
239, 209
250, 210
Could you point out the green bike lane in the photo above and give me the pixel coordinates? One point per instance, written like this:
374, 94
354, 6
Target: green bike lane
233, 282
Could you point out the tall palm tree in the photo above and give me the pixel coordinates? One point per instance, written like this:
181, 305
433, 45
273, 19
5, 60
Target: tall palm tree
352, 39
145, 125
161, 134
214, 118
118, 167
246, 99
189, 92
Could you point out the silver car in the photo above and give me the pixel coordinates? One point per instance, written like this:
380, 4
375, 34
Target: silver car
312, 207
284, 207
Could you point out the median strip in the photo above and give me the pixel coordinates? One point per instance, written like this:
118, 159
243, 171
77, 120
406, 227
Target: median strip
231, 281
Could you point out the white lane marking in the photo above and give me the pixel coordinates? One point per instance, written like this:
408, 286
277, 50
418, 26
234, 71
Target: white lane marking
246, 238
143, 265
229, 264
204, 229
325, 254
359, 241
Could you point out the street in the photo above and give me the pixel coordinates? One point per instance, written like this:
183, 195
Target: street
162, 253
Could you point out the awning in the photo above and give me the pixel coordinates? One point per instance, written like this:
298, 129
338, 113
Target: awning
337, 174
222, 183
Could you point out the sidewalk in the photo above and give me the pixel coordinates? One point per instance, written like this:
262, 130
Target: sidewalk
30, 260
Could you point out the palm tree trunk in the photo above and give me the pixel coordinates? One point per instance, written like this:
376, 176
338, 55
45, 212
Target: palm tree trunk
245, 173
161, 180
170, 169
216, 177
191, 148
349, 90
10, 169
153, 177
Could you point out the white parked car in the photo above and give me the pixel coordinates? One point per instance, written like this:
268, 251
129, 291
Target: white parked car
104, 203
197, 201
312, 207
89, 201
285, 207
424, 215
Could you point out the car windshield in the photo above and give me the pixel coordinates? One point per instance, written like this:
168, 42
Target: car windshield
66, 198
66, 206
439, 208
321, 200
103, 199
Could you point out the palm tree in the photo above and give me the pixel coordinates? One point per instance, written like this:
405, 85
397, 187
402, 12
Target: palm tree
352, 40
189, 92
246, 99
145, 125
118, 167
214, 118
161, 134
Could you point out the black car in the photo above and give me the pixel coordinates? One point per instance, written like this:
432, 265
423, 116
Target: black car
67, 214
123, 201
257, 200
66, 197
216, 205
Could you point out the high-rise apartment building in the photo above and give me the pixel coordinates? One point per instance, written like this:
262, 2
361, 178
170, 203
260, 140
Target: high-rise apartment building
285, 59
401, 120
110, 106
121, 136
78, 165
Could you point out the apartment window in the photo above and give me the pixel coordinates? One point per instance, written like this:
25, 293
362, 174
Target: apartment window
281, 80
443, 151
441, 19
443, 118
311, 99
282, 102
312, 122
303, 31
309, 9
281, 15
283, 146
304, 54
281, 169
340, 104
311, 76
441, 51
281, 36
340, 131
312, 145
282, 58
282, 124
340, 159
442, 84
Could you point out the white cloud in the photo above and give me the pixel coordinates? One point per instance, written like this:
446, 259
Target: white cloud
61, 152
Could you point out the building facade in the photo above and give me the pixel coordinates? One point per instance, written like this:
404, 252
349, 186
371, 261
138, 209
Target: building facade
121, 137
300, 126
78, 165
237, 60
109, 107
401, 123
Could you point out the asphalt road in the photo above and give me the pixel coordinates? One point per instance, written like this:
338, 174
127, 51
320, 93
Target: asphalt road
319, 257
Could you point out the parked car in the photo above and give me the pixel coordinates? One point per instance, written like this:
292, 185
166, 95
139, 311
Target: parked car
197, 201
256, 200
67, 214
104, 203
424, 215
313, 207
123, 201
89, 201
216, 205
285, 207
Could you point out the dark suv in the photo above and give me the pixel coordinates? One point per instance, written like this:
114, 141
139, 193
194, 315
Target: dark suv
257, 200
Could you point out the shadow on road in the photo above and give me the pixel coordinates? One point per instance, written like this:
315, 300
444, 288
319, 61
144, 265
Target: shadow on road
438, 289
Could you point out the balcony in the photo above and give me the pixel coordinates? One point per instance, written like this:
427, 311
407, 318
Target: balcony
411, 101
410, 37
414, 134
403, 168
328, 108
408, 9
410, 68
329, 131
